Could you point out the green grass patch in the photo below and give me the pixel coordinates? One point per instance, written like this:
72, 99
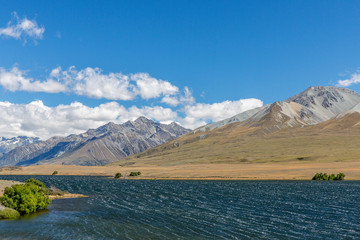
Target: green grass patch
9, 213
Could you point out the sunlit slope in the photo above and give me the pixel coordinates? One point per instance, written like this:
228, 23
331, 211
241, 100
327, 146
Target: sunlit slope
333, 140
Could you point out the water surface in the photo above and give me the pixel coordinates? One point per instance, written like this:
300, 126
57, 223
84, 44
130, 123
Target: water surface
154, 209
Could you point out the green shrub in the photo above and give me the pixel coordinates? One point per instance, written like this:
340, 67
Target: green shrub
134, 174
118, 175
26, 198
36, 182
55, 173
332, 177
8, 213
340, 176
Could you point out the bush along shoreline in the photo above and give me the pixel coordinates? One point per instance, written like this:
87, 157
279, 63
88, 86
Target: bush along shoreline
23, 199
332, 177
134, 174
118, 175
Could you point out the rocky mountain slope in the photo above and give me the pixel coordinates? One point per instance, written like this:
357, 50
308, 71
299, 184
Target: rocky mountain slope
312, 106
99, 146
321, 123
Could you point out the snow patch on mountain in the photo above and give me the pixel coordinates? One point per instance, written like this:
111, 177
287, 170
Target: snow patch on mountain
8, 144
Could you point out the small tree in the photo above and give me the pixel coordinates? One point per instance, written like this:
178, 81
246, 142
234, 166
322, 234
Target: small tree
55, 173
118, 175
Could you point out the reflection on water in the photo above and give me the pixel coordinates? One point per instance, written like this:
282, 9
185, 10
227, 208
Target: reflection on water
125, 209
31, 216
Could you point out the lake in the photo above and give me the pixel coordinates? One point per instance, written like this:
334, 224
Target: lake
159, 209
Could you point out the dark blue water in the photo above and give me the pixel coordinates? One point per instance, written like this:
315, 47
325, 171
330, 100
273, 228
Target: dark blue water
137, 209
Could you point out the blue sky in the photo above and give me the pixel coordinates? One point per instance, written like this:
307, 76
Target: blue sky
187, 61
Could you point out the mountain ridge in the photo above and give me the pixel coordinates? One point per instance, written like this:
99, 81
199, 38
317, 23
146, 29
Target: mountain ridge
111, 141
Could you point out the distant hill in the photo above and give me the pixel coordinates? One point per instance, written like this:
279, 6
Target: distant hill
99, 146
319, 124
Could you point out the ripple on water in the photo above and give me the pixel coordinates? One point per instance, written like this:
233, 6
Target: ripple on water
125, 209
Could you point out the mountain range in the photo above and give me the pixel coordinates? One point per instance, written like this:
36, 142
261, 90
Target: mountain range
319, 124
99, 146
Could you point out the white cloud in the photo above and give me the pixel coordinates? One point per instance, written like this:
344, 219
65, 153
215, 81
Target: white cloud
354, 79
15, 80
158, 113
22, 29
170, 100
186, 98
201, 113
37, 119
192, 122
149, 87
91, 82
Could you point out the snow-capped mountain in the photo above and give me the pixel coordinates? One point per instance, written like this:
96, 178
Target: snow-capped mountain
8, 144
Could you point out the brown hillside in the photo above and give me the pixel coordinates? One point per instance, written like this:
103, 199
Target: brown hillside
331, 141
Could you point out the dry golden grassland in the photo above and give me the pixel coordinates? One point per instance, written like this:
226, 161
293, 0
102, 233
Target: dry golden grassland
232, 149
241, 171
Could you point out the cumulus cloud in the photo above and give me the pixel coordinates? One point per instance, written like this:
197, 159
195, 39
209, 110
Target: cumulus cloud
22, 29
37, 119
171, 100
354, 79
202, 113
149, 87
15, 80
91, 82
